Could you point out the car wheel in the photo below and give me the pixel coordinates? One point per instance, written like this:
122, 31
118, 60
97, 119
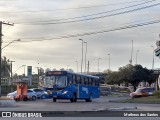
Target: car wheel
34, 98
25, 99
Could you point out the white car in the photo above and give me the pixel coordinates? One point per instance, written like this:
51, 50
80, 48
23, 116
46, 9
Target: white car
30, 94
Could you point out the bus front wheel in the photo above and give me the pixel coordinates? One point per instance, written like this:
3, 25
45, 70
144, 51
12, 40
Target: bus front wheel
54, 99
74, 99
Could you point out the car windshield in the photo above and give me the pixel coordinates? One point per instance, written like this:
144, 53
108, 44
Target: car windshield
59, 81
138, 90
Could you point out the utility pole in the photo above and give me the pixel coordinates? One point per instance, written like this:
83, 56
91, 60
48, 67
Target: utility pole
11, 76
85, 57
82, 55
88, 68
109, 60
131, 54
153, 58
1, 51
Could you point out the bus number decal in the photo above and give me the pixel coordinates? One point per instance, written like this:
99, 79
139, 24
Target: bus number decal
85, 89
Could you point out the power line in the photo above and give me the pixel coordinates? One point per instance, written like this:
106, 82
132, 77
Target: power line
85, 7
85, 16
93, 18
100, 31
6, 29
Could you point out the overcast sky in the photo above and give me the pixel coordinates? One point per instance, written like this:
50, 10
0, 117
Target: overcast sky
76, 17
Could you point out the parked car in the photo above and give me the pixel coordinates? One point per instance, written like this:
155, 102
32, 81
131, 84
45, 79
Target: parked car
39, 92
30, 94
142, 92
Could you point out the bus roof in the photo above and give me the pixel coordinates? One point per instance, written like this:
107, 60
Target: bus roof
65, 71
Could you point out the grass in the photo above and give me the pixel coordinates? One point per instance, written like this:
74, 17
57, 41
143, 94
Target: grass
149, 100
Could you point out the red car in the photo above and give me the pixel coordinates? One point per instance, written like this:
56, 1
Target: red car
142, 92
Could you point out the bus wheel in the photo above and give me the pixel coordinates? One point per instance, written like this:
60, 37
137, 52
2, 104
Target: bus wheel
54, 99
74, 99
90, 98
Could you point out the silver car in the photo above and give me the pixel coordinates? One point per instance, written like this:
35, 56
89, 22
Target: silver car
30, 94
39, 92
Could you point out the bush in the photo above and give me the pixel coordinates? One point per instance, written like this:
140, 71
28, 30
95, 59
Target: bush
8, 88
156, 93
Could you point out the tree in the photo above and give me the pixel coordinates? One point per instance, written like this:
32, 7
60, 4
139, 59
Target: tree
5, 67
108, 71
124, 73
113, 78
137, 75
151, 77
131, 74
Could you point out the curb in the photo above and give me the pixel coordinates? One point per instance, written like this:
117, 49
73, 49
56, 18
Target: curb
120, 108
10, 102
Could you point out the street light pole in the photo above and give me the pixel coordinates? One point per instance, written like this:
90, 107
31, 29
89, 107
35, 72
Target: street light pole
11, 76
98, 64
82, 55
109, 60
11, 42
153, 58
85, 57
137, 55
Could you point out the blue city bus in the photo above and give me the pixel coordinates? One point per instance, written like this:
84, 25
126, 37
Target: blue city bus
72, 86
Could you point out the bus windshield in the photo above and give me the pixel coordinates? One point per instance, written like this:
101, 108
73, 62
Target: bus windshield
59, 81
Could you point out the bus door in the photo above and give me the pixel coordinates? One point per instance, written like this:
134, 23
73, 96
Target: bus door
83, 91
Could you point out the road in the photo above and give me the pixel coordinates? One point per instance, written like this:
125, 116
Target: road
96, 105
65, 105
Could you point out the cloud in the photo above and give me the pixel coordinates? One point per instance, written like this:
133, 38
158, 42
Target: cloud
58, 53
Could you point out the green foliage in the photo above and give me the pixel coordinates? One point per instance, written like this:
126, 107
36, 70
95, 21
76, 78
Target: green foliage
8, 88
113, 78
131, 74
156, 93
5, 67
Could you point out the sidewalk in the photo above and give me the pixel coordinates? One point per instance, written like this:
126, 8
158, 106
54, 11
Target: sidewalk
4, 101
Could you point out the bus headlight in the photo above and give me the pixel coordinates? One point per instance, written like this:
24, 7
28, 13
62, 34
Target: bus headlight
49, 92
65, 92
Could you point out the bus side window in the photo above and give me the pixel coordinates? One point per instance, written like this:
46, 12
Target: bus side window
78, 79
70, 79
96, 82
82, 80
93, 81
90, 81
74, 79
86, 81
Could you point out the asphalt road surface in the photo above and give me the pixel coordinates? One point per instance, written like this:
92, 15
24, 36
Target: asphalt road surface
65, 105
